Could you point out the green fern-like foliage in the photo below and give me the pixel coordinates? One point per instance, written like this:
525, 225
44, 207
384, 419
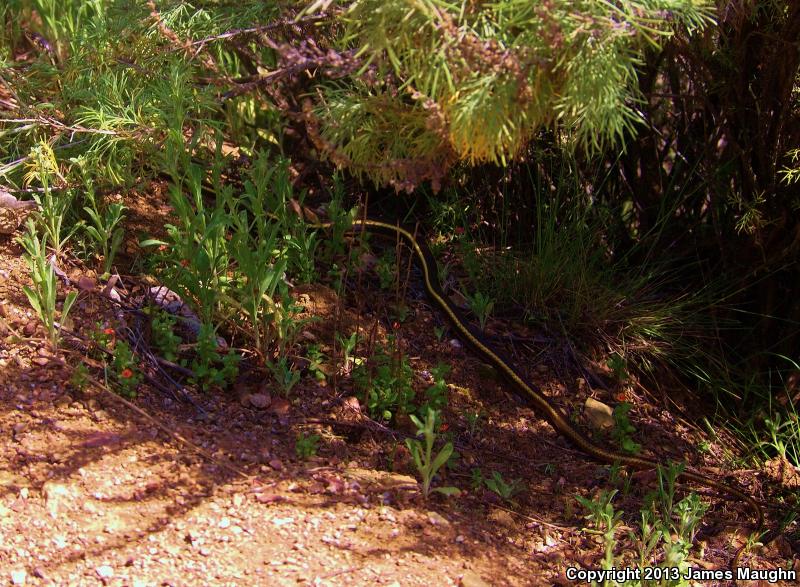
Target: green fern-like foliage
472, 81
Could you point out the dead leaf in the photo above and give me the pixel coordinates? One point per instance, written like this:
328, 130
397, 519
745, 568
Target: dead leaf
280, 406
86, 283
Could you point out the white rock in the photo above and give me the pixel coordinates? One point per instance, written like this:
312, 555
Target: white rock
104, 571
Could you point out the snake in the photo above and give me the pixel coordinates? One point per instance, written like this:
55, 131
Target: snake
541, 403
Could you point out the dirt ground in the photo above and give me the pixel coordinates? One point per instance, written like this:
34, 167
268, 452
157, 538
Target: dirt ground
211, 492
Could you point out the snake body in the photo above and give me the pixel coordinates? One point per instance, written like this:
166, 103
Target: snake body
532, 393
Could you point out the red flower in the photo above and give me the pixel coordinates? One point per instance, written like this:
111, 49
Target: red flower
395, 325
459, 230
126, 373
109, 331
444, 427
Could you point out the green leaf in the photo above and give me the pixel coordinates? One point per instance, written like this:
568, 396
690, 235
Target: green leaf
68, 302
448, 491
442, 457
152, 242
33, 298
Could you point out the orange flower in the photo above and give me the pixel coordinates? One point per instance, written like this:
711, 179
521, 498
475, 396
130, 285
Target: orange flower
444, 427
126, 373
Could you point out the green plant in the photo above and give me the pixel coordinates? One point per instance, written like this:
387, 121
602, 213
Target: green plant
782, 435
347, 346
476, 479
42, 295
666, 533
285, 374
103, 338
211, 365
400, 311
616, 477
125, 368
268, 191
166, 342
197, 255
302, 248
426, 462
506, 490
335, 245
267, 241
386, 268
288, 326
616, 362
53, 208
79, 378
602, 514
481, 305
473, 422
385, 380
336, 276
678, 521
259, 281
105, 229
774, 431
316, 362
791, 173
63, 20
306, 447
436, 394
439, 331
623, 429
461, 85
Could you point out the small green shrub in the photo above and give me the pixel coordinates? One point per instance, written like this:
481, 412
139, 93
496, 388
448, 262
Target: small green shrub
623, 429
42, 296
165, 340
212, 366
316, 361
481, 305
506, 490
426, 462
385, 381
285, 374
125, 368
306, 447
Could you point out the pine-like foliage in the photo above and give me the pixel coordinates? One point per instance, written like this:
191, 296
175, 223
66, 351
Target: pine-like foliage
474, 81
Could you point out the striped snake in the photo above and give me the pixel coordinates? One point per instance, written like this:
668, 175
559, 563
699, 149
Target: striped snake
540, 402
